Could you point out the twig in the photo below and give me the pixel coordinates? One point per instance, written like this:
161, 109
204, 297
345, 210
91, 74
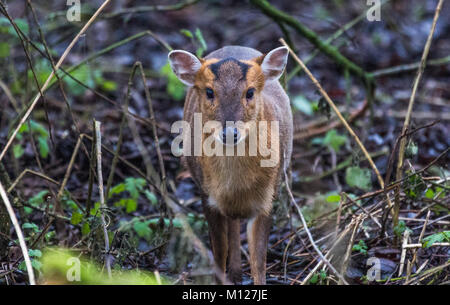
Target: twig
304, 132
98, 138
338, 113
328, 255
312, 37
45, 85
410, 67
10, 96
403, 255
359, 219
150, 8
408, 271
336, 35
19, 233
69, 168
26, 171
305, 225
401, 152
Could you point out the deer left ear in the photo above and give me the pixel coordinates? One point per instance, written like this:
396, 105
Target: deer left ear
274, 62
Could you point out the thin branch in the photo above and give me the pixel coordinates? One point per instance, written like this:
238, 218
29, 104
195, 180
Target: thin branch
98, 141
305, 226
402, 147
312, 37
341, 118
19, 233
151, 8
45, 85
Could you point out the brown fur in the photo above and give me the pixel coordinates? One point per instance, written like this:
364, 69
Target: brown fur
236, 187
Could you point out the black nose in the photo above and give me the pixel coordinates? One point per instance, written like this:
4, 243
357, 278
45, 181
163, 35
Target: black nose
231, 132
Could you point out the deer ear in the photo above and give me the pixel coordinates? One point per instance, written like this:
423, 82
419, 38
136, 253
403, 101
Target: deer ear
185, 65
274, 63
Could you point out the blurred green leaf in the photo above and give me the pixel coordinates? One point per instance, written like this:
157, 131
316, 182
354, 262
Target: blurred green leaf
301, 103
34, 253
76, 218
31, 226
85, 229
38, 198
187, 33
358, 177
4, 49
151, 197
334, 140
142, 229
43, 147
333, 198
440, 237
202, 43
18, 151
175, 87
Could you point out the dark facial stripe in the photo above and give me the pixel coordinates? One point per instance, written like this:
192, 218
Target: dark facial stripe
216, 66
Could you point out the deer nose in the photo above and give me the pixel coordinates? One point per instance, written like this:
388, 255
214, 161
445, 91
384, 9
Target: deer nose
232, 133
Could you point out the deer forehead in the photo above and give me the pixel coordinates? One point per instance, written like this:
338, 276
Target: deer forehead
228, 72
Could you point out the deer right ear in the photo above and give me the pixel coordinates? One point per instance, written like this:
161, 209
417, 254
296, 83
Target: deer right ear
185, 65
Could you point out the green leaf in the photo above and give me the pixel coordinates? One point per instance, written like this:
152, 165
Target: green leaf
18, 151
43, 147
358, 177
142, 229
21, 24
36, 264
94, 211
39, 128
429, 194
334, 140
175, 87
117, 189
333, 198
360, 247
186, 33
23, 128
4, 49
31, 226
151, 197
411, 150
76, 218
440, 237
39, 198
85, 229
34, 253
134, 186
203, 47
84, 75
109, 85
129, 204
314, 279
400, 228
301, 103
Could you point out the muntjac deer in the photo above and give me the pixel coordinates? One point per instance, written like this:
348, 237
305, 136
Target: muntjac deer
237, 85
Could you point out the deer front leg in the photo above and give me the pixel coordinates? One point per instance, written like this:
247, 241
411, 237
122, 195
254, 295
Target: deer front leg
218, 236
258, 230
234, 251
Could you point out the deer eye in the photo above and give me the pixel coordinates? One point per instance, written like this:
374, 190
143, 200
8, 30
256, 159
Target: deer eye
250, 93
209, 93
